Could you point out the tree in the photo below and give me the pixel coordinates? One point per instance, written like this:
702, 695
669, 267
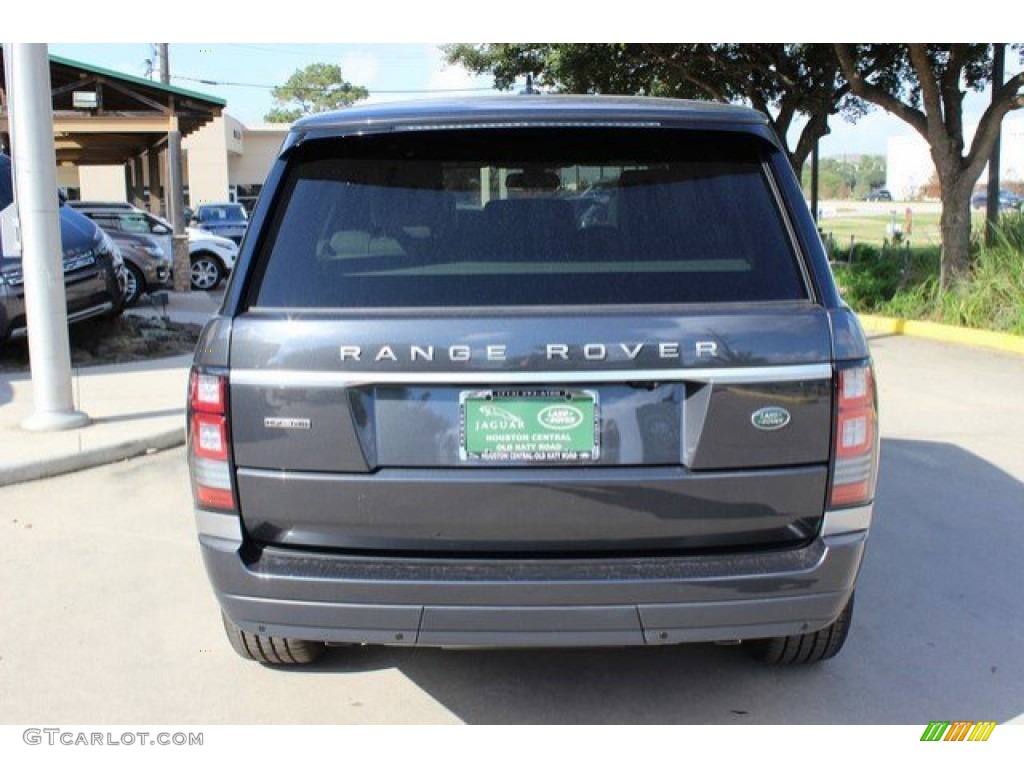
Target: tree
929, 96
316, 88
870, 174
783, 80
839, 178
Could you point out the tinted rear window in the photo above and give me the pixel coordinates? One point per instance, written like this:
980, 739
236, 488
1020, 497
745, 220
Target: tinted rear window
527, 218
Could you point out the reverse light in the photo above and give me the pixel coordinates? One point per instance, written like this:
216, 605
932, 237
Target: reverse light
856, 449
206, 392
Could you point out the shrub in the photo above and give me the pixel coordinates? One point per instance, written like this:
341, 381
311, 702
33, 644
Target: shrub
906, 284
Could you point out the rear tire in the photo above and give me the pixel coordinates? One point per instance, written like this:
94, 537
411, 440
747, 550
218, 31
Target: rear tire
271, 650
804, 649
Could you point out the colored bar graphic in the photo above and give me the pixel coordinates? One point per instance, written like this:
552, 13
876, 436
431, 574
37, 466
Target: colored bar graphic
982, 731
958, 730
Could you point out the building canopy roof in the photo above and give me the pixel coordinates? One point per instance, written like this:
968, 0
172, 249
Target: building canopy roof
115, 116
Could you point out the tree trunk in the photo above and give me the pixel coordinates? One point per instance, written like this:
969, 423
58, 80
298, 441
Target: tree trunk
956, 228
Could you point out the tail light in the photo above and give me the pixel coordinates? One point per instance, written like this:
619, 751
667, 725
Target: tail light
856, 435
209, 441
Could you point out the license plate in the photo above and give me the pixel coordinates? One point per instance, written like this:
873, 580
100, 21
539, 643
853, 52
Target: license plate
550, 425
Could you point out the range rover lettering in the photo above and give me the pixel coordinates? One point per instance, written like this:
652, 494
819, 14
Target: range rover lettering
452, 399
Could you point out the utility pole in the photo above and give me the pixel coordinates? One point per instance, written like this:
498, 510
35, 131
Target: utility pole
175, 188
814, 182
35, 177
165, 64
992, 203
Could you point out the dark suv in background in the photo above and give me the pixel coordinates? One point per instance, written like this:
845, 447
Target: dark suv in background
444, 403
93, 266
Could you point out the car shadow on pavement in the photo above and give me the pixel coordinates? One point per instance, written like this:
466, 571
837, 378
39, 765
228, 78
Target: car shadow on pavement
140, 416
173, 362
936, 634
6, 392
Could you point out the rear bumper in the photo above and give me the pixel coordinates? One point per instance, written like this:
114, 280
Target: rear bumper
580, 602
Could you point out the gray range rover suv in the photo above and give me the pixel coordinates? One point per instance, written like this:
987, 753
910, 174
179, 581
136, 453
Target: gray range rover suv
447, 403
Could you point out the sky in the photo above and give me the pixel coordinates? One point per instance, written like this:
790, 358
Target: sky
389, 71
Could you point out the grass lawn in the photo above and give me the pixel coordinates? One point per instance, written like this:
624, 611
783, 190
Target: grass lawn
870, 228
904, 283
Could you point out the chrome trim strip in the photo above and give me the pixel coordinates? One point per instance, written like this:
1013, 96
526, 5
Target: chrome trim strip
281, 379
847, 520
219, 525
82, 314
74, 317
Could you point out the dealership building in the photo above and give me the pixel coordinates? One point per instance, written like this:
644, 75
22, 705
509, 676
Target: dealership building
909, 166
112, 131
224, 160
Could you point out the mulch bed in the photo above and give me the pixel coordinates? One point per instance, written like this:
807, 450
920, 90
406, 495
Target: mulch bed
113, 340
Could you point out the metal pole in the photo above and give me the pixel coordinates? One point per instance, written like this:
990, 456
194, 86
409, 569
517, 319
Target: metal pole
165, 64
35, 170
174, 191
175, 200
992, 203
814, 182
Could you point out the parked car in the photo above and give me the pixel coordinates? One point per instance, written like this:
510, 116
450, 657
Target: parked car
876, 195
1008, 202
417, 423
147, 267
212, 257
92, 263
228, 220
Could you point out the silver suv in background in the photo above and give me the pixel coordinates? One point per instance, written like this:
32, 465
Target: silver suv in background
212, 257
147, 267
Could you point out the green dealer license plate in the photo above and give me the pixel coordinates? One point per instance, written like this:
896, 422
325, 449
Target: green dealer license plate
549, 425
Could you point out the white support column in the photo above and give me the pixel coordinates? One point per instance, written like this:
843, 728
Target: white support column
35, 171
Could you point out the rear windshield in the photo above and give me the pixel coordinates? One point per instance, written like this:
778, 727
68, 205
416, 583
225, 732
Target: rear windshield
527, 218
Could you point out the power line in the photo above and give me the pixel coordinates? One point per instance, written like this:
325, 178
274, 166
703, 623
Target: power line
308, 55
307, 89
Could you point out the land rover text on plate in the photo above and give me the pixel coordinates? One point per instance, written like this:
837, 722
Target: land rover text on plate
454, 398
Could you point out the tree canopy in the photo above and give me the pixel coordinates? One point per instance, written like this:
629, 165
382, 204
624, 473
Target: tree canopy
922, 84
928, 94
783, 80
318, 87
843, 178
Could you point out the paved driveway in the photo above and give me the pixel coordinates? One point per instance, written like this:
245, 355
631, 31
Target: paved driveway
108, 617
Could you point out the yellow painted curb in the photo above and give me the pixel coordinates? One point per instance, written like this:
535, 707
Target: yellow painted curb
1003, 342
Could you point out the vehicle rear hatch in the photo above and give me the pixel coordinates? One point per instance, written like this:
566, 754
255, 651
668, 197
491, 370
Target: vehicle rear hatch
449, 348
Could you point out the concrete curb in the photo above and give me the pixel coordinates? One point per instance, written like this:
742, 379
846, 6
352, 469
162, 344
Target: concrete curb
95, 457
1002, 342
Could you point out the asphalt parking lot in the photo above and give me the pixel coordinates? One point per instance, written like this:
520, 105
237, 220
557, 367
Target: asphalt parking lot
108, 617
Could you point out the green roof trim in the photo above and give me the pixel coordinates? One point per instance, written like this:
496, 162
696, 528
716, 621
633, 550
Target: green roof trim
173, 89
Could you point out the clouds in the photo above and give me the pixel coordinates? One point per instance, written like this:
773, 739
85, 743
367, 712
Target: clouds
360, 67
407, 71
445, 77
